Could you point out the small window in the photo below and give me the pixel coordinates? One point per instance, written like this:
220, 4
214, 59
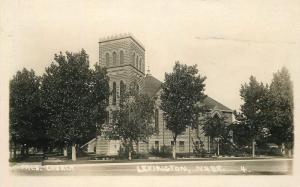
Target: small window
197, 144
172, 143
121, 57
107, 59
156, 145
114, 57
107, 118
114, 93
113, 117
181, 146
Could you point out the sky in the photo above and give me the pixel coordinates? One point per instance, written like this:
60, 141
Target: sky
229, 40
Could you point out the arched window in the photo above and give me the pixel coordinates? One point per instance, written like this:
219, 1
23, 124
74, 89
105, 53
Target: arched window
122, 91
107, 118
121, 57
107, 59
137, 62
114, 57
156, 116
133, 59
114, 93
140, 66
216, 114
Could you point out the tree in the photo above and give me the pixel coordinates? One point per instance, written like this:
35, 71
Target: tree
252, 114
281, 107
25, 114
132, 122
240, 132
182, 92
216, 128
75, 98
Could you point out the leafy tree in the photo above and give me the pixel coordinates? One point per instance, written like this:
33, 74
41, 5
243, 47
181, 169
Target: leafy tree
132, 122
25, 114
281, 107
252, 115
241, 135
216, 127
182, 92
75, 98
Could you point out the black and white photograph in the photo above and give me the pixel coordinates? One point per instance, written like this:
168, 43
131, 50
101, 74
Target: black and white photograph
192, 92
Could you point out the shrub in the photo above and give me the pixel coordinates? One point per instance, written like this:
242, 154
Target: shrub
164, 152
198, 149
123, 153
140, 155
268, 151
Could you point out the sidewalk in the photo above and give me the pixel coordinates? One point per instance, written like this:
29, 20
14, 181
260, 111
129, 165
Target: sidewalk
145, 161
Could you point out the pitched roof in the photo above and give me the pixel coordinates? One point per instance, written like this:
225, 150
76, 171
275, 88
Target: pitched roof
152, 86
213, 104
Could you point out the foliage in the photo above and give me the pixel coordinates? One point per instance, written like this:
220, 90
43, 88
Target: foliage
215, 126
241, 135
132, 122
198, 148
164, 151
182, 93
281, 122
75, 98
25, 114
124, 151
253, 115
267, 113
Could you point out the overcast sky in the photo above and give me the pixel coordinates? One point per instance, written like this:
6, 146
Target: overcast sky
229, 40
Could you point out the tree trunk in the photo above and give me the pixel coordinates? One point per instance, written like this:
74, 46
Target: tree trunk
15, 151
208, 144
290, 153
129, 154
283, 148
129, 150
74, 152
174, 149
137, 147
22, 150
65, 151
26, 150
253, 147
218, 147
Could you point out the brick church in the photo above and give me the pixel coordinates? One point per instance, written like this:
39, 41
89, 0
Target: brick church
124, 58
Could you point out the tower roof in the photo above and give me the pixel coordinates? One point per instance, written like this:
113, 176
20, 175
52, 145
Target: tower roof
121, 36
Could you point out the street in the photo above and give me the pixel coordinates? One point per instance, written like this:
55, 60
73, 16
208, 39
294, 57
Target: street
274, 166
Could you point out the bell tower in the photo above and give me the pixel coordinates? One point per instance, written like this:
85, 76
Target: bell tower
124, 58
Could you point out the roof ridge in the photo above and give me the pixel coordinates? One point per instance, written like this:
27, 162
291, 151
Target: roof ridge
227, 108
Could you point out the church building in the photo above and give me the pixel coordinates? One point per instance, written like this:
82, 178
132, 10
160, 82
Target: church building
124, 58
